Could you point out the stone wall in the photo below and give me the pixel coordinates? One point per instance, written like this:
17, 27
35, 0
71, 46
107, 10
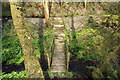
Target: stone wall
75, 22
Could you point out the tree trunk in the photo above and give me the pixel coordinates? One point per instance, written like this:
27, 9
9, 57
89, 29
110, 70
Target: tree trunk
32, 66
46, 12
85, 4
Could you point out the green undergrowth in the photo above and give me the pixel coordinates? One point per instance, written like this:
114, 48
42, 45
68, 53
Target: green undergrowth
11, 52
22, 75
97, 43
13, 75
